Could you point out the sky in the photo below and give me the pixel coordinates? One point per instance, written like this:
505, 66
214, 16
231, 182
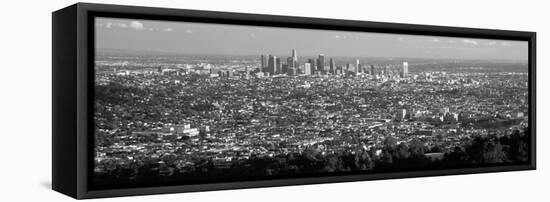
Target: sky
219, 39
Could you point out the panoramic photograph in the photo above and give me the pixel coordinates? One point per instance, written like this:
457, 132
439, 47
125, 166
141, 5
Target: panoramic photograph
193, 103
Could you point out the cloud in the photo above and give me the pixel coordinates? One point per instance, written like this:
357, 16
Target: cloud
189, 31
136, 25
340, 37
110, 25
469, 41
505, 44
495, 43
400, 39
435, 40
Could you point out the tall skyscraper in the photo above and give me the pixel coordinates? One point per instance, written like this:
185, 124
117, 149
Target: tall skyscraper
294, 59
372, 72
307, 68
405, 71
313, 64
272, 64
290, 62
332, 66
321, 63
356, 66
278, 66
263, 64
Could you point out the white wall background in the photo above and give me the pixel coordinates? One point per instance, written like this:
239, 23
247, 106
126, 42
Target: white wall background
25, 102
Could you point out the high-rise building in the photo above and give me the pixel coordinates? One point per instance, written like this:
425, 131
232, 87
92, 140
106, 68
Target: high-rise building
405, 71
290, 62
292, 71
332, 66
263, 63
356, 70
313, 64
294, 59
321, 63
372, 71
307, 68
278, 66
272, 64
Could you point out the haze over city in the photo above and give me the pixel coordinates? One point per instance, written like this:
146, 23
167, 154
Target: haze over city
204, 38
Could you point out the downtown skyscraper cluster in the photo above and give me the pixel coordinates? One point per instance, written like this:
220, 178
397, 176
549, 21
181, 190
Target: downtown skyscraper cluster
272, 65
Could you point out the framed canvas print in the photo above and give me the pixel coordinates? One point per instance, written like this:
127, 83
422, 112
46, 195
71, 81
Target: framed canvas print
154, 100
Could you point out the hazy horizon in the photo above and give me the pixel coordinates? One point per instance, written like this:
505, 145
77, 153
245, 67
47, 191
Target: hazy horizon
167, 37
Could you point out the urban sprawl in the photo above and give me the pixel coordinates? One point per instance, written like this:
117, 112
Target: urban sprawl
175, 115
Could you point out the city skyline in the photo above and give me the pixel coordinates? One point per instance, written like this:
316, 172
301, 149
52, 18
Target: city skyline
295, 108
273, 65
198, 38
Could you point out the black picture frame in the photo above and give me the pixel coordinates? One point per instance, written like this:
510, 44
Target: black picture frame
72, 90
